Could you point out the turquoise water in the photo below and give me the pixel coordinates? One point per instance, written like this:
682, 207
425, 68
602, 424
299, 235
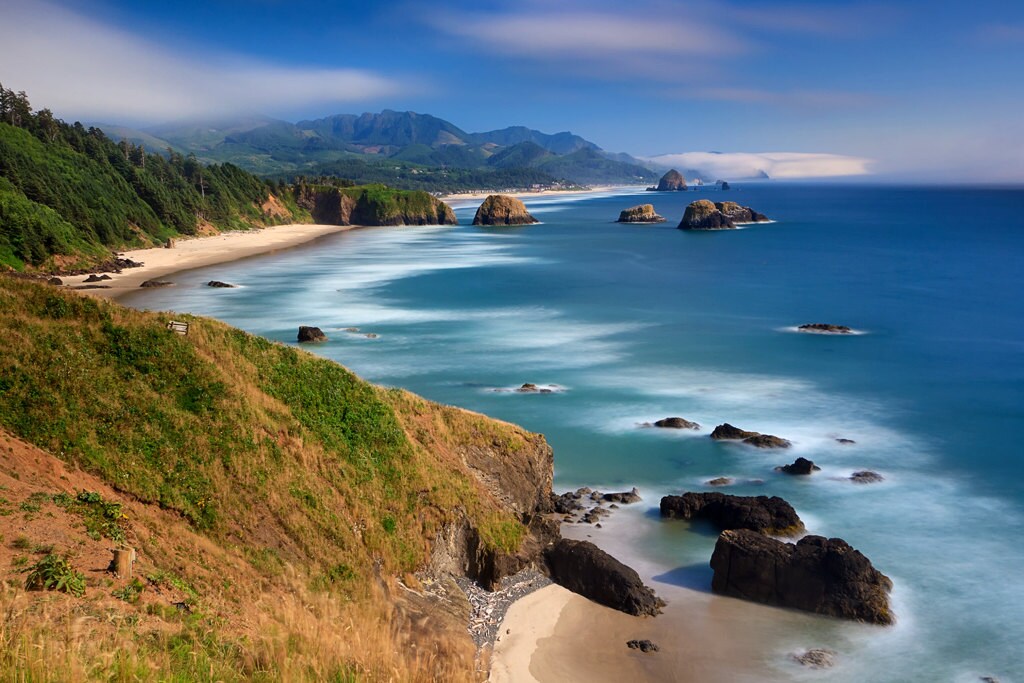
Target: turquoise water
636, 323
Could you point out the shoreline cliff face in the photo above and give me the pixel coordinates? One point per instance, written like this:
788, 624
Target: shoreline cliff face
502, 209
372, 205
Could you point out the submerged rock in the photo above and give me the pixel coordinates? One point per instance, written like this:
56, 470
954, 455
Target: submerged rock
624, 497
816, 574
756, 513
583, 568
727, 432
800, 466
643, 213
866, 477
311, 334
846, 442
673, 181
721, 481
676, 423
501, 209
816, 658
825, 328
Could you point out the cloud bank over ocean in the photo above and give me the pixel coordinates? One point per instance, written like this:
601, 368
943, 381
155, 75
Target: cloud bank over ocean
790, 165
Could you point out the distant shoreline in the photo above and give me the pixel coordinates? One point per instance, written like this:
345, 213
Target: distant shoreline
464, 196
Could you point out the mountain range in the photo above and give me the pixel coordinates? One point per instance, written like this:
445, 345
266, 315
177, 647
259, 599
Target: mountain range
398, 140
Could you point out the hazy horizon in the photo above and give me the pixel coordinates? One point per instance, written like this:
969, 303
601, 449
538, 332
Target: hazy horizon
900, 92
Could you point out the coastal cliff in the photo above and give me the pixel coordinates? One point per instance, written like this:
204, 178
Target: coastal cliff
501, 209
372, 205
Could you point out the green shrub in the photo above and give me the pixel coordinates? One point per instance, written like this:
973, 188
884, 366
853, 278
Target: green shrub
55, 573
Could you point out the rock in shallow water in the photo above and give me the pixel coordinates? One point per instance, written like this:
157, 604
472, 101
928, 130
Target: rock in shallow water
816, 658
726, 432
825, 328
643, 213
583, 568
816, 574
676, 423
866, 477
311, 334
801, 466
757, 513
501, 209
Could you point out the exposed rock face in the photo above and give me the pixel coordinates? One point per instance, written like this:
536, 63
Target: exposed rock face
218, 283
672, 181
640, 214
642, 645
825, 328
726, 432
756, 513
866, 477
740, 214
360, 206
817, 574
799, 466
703, 215
676, 423
583, 568
501, 209
311, 334
706, 215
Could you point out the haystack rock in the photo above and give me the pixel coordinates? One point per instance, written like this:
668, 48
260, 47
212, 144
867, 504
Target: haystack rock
640, 214
501, 209
816, 574
757, 513
673, 181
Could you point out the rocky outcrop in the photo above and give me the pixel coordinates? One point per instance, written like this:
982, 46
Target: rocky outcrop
643, 213
97, 278
816, 574
704, 214
720, 481
583, 568
724, 185
800, 466
866, 477
740, 214
676, 423
756, 513
501, 209
311, 334
219, 284
726, 432
672, 181
623, 497
372, 205
825, 328
642, 645
156, 283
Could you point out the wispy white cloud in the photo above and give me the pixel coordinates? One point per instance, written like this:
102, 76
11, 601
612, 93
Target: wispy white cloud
80, 67
774, 164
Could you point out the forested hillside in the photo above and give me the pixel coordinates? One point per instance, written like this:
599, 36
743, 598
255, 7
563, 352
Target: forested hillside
69, 194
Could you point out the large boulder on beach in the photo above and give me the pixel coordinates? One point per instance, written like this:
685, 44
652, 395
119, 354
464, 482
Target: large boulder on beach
583, 568
757, 513
643, 213
703, 215
727, 432
816, 574
311, 334
501, 209
673, 181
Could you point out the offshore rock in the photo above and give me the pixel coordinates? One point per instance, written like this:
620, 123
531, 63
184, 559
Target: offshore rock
311, 334
583, 568
624, 497
501, 209
825, 328
672, 181
816, 574
800, 466
816, 658
219, 284
704, 215
726, 432
643, 213
756, 513
676, 423
866, 477
740, 214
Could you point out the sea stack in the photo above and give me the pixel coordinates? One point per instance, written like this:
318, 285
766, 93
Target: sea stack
673, 181
640, 214
501, 209
704, 214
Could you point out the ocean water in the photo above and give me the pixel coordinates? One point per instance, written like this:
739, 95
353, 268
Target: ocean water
636, 323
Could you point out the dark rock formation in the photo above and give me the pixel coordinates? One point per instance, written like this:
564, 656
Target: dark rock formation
624, 497
726, 432
528, 387
799, 466
156, 283
672, 181
97, 278
567, 503
55, 281
218, 283
501, 209
817, 658
583, 568
866, 477
756, 513
640, 214
311, 334
817, 574
703, 215
825, 328
724, 185
721, 481
642, 645
676, 423
846, 442
740, 214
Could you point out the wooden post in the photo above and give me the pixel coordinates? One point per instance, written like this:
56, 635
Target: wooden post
124, 558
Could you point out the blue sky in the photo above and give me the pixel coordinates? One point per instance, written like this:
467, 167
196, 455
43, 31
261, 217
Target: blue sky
926, 90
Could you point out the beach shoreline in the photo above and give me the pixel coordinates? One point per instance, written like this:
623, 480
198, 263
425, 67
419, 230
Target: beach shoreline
198, 252
467, 196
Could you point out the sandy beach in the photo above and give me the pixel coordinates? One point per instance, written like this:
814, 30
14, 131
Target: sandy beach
197, 252
461, 197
